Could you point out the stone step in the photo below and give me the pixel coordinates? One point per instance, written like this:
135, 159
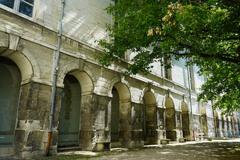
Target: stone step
70, 148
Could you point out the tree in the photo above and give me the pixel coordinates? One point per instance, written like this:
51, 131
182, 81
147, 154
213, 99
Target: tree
206, 33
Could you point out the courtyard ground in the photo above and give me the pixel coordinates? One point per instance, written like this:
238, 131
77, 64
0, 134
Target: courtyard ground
198, 150
204, 150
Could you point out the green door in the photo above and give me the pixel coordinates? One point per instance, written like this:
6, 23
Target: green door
69, 120
9, 94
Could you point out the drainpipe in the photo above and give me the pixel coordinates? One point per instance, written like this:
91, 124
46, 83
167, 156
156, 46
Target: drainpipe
54, 76
190, 95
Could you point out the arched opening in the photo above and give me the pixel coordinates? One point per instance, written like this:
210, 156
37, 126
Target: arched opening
150, 118
10, 82
75, 118
170, 119
120, 115
185, 121
69, 119
115, 116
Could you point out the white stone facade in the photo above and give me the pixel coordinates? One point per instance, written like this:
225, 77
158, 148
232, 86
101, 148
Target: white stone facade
151, 107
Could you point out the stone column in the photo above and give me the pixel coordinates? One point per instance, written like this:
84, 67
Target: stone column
236, 127
137, 125
33, 118
225, 127
233, 126
204, 124
216, 125
210, 127
178, 118
229, 129
220, 128
161, 130
238, 124
95, 122
101, 123
125, 123
186, 125
196, 125
171, 132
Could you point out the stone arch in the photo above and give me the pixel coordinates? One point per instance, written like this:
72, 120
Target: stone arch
84, 80
170, 119
10, 83
120, 115
185, 120
77, 71
150, 117
76, 110
119, 80
24, 65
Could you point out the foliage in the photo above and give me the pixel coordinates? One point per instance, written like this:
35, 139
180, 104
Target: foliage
206, 32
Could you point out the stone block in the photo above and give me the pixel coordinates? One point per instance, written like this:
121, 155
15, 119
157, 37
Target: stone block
102, 146
164, 141
182, 140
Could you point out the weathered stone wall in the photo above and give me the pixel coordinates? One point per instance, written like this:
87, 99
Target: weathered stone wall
31, 44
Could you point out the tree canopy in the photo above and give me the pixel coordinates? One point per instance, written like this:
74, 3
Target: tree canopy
205, 32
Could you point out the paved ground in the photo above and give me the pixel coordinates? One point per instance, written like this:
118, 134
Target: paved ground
215, 150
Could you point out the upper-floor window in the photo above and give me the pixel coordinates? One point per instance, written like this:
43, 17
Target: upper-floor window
22, 6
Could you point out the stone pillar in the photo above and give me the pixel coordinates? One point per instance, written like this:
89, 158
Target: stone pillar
161, 130
210, 127
33, 118
196, 126
186, 125
220, 128
137, 125
229, 129
216, 124
236, 127
204, 124
233, 126
101, 123
171, 132
95, 122
125, 123
179, 125
150, 124
238, 124
225, 127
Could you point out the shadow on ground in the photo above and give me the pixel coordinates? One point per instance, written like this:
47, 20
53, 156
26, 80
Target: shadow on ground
201, 151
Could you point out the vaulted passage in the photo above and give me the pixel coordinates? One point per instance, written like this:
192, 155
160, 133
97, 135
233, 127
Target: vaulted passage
9, 95
69, 121
120, 116
115, 116
150, 118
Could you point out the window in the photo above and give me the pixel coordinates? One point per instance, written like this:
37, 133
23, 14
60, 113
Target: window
8, 3
23, 6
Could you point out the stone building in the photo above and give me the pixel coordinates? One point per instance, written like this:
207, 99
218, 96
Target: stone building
96, 108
